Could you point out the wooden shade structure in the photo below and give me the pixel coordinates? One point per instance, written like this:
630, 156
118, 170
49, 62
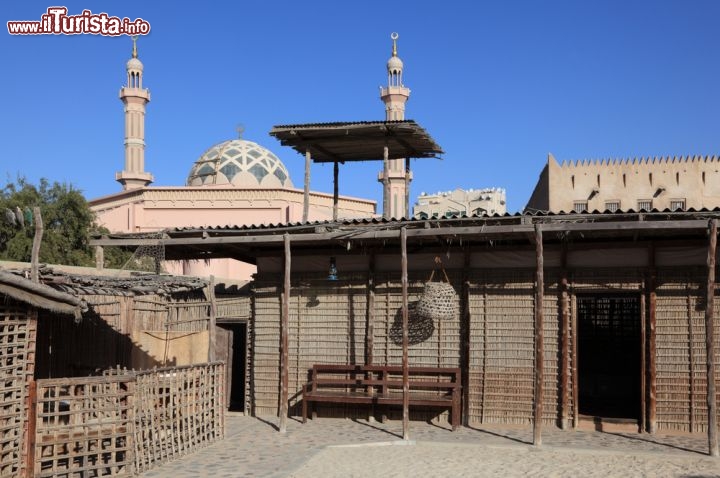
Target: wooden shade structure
357, 141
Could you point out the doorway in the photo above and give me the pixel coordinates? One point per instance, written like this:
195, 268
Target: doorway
609, 356
231, 348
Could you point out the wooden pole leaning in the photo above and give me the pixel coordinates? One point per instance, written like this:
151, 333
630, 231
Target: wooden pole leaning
284, 338
405, 340
539, 336
710, 340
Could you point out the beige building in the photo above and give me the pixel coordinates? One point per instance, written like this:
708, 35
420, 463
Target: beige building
460, 202
674, 183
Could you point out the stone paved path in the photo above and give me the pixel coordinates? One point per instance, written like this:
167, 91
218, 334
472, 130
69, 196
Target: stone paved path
338, 447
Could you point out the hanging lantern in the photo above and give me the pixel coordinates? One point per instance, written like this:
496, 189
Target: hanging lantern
332, 273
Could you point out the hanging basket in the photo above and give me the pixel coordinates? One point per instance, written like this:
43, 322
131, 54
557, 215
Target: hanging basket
438, 301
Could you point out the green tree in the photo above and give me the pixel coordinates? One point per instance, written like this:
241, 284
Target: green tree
67, 220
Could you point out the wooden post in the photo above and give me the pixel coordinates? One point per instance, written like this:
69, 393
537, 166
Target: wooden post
539, 351
212, 335
643, 362
31, 428
564, 341
465, 335
99, 258
370, 332
710, 340
652, 347
306, 190
284, 338
405, 365
336, 168
407, 188
575, 381
37, 239
386, 183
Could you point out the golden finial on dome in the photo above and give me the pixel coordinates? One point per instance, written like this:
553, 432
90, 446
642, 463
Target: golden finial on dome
134, 39
394, 37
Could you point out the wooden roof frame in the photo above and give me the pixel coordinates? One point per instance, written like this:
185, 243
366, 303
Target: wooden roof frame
358, 141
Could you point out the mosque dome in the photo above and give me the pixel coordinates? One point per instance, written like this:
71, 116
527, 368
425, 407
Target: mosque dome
239, 163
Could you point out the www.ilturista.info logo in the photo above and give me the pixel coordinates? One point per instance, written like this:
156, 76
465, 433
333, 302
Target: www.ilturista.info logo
57, 22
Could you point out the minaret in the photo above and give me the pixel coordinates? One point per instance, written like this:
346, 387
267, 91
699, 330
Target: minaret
395, 96
134, 97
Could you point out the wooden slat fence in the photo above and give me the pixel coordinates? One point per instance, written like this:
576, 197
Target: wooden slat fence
126, 422
178, 410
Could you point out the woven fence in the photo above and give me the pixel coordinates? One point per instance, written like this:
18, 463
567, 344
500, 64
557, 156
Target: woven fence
178, 410
17, 339
84, 427
126, 422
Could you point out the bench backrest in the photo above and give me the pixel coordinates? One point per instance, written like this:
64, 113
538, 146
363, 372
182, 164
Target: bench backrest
384, 377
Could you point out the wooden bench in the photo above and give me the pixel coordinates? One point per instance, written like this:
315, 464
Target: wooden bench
383, 385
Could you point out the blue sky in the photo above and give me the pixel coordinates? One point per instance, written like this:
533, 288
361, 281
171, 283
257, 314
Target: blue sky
497, 84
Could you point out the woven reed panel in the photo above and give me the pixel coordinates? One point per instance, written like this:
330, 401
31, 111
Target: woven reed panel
265, 369
17, 336
502, 362
680, 352
237, 307
551, 353
327, 326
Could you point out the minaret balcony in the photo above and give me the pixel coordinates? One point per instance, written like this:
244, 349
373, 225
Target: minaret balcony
395, 90
126, 91
394, 175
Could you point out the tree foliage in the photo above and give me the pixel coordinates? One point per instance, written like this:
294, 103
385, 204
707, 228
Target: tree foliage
68, 223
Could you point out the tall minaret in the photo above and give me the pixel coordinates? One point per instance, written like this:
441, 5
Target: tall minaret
134, 97
395, 96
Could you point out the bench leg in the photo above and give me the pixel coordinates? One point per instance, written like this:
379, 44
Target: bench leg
304, 410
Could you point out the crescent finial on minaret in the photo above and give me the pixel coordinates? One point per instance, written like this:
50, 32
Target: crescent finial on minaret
134, 52
394, 37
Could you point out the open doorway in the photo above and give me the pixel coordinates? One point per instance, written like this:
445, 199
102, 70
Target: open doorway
231, 348
609, 356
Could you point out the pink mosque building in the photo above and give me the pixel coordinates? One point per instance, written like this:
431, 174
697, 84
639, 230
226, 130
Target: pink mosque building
236, 182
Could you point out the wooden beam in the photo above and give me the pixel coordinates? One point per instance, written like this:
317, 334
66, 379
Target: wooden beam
306, 188
405, 365
31, 429
710, 340
386, 184
478, 232
564, 341
285, 315
539, 336
652, 345
336, 168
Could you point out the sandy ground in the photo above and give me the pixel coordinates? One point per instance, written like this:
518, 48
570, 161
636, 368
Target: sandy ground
425, 459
